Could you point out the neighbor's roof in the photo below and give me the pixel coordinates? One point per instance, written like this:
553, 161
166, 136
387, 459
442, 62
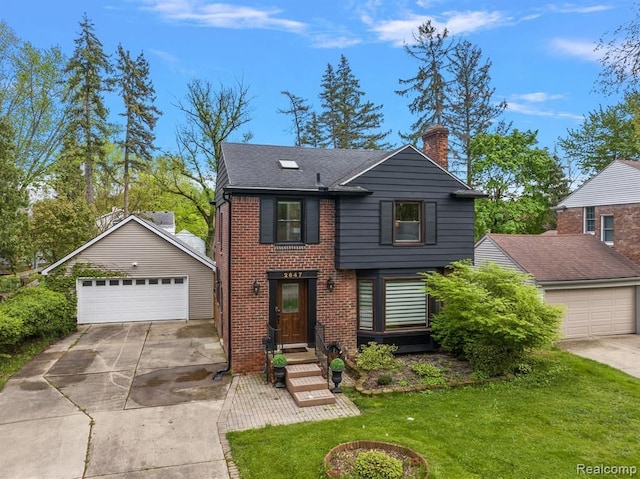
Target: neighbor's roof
257, 166
580, 257
172, 239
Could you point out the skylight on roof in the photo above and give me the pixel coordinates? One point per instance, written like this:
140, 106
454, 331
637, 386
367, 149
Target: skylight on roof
288, 164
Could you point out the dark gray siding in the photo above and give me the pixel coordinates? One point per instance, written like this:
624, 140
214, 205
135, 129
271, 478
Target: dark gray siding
408, 176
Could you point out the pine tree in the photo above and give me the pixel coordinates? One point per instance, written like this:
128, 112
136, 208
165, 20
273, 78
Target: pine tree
347, 121
428, 87
141, 115
87, 127
300, 111
471, 110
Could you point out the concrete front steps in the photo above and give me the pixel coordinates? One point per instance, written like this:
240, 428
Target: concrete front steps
307, 386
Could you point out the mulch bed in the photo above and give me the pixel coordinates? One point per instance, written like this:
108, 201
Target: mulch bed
454, 371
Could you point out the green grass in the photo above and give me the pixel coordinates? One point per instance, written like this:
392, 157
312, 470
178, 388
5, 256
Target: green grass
570, 411
12, 360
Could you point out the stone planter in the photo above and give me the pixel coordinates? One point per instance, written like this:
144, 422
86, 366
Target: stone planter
409, 456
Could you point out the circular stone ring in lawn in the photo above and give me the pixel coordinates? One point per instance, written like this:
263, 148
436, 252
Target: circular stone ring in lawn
340, 460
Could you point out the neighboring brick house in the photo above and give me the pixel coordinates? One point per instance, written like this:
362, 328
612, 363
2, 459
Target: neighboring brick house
607, 206
333, 237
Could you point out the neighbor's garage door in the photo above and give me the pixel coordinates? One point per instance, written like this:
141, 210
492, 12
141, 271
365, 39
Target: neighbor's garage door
114, 300
596, 311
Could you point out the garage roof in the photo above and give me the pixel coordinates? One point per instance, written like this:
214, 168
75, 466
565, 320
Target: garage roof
172, 239
550, 258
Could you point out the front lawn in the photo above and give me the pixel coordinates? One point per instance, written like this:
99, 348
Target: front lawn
571, 412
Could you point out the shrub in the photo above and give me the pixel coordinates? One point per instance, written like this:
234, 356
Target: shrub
279, 360
10, 330
9, 283
337, 364
430, 373
61, 282
384, 379
377, 465
491, 315
42, 312
378, 356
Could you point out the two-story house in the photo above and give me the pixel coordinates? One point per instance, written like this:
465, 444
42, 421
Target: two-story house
333, 237
607, 206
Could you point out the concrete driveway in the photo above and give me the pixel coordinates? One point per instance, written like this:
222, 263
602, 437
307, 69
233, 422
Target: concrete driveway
621, 351
131, 400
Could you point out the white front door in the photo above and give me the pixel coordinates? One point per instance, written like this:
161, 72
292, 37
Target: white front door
115, 300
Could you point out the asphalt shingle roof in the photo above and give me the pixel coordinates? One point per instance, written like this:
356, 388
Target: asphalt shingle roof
566, 257
257, 166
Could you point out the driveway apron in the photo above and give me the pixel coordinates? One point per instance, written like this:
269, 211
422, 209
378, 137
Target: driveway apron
128, 400
620, 351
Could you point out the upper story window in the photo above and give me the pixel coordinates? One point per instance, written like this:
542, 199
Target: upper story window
607, 229
590, 219
408, 226
289, 221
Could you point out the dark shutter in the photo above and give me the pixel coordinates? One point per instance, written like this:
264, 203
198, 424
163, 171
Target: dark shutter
267, 220
312, 220
431, 223
386, 222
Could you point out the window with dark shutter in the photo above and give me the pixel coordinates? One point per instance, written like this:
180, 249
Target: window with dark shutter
267, 215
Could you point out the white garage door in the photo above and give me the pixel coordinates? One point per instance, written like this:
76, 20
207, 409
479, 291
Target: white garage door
114, 300
596, 311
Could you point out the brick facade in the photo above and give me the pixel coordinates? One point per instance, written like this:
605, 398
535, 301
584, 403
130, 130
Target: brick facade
626, 227
251, 261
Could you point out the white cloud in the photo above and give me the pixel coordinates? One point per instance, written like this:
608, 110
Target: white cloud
330, 41
537, 97
574, 8
401, 30
223, 15
585, 50
526, 108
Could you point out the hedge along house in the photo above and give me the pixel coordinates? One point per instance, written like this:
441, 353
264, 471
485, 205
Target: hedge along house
164, 278
336, 238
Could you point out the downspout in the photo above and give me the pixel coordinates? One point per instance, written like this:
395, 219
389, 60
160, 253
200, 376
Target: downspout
218, 376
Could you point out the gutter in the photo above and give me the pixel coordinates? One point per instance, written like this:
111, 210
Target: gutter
218, 375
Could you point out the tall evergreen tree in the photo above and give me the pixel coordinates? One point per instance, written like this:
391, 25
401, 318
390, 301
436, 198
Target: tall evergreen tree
87, 128
347, 121
428, 88
300, 112
471, 110
140, 112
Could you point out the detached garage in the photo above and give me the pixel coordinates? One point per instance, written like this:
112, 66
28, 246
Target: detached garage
163, 277
599, 287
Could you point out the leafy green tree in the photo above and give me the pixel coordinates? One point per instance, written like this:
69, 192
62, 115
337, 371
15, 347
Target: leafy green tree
522, 182
211, 117
13, 201
31, 93
87, 127
471, 109
346, 121
140, 112
427, 88
60, 225
492, 315
607, 134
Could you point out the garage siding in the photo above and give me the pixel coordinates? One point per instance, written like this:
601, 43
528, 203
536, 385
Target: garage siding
596, 311
155, 257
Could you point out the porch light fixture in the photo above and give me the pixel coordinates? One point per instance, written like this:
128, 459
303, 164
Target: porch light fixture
256, 287
330, 285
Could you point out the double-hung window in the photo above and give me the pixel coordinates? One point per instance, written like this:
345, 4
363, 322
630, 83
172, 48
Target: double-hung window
289, 221
607, 229
590, 219
408, 222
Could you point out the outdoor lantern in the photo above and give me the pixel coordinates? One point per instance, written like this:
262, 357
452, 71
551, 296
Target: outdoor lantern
330, 285
256, 287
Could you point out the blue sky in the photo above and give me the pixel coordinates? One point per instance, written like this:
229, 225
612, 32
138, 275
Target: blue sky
544, 64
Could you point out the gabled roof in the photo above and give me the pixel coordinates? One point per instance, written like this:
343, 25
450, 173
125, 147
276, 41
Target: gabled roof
555, 258
616, 184
258, 167
168, 237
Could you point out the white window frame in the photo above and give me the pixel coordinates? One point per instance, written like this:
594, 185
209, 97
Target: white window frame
603, 231
586, 220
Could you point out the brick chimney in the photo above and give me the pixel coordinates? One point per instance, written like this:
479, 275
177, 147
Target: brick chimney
436, 145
